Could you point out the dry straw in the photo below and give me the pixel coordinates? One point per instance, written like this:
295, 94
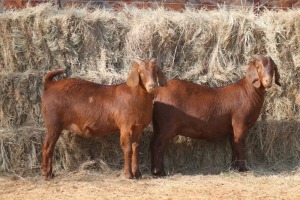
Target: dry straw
207, 47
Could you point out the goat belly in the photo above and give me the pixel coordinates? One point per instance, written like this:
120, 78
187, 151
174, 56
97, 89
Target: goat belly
203, 134
91, 131
209, 128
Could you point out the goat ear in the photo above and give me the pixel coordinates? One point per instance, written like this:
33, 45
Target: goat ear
277, 76
252, 75
133, 78
161, 78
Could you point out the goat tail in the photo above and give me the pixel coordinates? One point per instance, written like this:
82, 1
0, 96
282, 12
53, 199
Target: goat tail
50, 75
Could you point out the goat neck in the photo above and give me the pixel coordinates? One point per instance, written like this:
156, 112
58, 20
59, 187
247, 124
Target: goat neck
253, 93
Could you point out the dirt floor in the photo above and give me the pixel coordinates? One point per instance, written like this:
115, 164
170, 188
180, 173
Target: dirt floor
92, 185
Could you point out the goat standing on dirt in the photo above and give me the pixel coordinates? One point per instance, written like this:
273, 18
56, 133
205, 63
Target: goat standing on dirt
90, 109
192, 110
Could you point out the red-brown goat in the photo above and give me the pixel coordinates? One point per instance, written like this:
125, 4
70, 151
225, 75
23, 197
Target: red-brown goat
192, 110
90, 109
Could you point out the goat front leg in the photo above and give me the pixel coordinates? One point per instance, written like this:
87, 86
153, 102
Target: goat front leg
135, 154
126, 143
234, 160
158, 145
238, 149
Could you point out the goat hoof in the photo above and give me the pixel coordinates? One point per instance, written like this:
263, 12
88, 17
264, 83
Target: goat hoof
234, 166
243, 169
158, 173
49, 177
128, 175
137, 174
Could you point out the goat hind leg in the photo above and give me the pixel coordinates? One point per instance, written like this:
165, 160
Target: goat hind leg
48, 149
157, 146
234, 160
239, 148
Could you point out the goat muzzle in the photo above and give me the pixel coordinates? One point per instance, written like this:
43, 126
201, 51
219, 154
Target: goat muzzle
267, 83
151, 87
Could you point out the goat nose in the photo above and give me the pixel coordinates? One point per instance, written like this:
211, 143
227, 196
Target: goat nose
152, 86
268, 81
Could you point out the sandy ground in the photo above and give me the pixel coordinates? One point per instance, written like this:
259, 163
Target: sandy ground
92, 185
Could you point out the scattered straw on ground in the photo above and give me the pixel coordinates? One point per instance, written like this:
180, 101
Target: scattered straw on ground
91, 185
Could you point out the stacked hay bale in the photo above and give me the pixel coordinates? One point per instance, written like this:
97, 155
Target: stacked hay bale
207, 47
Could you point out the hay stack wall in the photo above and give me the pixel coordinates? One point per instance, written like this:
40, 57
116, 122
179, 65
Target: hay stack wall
206, 47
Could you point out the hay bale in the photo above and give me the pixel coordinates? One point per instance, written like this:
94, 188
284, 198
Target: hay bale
20, 99
20, 149
206, 47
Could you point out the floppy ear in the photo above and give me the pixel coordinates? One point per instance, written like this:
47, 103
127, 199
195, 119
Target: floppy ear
161, 79
133, 78
252, 75
277, 76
